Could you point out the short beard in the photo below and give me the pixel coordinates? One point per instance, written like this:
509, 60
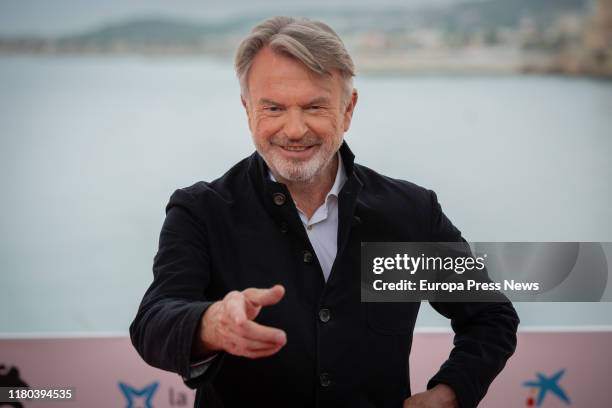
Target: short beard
301, 171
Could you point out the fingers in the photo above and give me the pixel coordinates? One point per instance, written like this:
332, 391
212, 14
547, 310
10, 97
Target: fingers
265, 297
260, 333
242, 351
242, 346
238, 334
251, 336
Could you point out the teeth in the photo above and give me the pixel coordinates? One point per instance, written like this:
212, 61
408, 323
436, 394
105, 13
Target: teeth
295, 148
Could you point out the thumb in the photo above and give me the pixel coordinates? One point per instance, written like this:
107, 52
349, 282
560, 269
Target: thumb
265, 297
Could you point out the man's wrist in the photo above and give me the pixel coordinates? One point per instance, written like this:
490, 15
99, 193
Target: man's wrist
202, 348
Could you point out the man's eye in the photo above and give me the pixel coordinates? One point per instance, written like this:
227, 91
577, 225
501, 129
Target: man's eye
272, 109
314, 107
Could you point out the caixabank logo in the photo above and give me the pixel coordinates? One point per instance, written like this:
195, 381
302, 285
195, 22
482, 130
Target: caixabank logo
545, 387
139, 397
154, 395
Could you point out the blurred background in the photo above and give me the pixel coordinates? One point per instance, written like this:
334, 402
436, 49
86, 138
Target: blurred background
503, 107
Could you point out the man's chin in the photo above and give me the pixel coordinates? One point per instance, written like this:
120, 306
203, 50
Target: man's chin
295, 171
299, 175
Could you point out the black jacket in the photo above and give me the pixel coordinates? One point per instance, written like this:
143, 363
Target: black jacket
242, 230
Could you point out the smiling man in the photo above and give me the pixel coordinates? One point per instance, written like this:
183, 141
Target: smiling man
256, 293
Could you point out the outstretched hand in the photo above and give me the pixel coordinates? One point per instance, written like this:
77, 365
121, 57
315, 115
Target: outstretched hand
229, 324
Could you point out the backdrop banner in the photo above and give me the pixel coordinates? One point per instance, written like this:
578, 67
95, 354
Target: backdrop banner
549, 369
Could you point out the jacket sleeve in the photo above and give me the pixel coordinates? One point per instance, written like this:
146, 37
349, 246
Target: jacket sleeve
485, 333
168, 319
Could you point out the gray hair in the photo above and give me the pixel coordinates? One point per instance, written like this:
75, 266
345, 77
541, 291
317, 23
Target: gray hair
311, 42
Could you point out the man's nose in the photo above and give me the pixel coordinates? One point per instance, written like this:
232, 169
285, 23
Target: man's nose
295, 126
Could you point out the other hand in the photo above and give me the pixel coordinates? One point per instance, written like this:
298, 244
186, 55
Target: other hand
440, 396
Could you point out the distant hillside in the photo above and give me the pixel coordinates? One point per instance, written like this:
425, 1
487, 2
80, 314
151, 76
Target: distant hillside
167, 33
471, 36
466, 17
487, 15
149, 31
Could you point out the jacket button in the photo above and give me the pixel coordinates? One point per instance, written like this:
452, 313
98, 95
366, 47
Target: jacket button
279, 198
324, 315
324, 380
284, 227
307, 257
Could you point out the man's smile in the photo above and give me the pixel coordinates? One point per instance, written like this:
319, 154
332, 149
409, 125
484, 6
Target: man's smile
296, 148
296, 152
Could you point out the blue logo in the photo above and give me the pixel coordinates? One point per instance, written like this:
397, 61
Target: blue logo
145, 393
543, 385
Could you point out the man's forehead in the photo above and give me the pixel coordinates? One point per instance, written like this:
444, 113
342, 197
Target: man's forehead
274, 73
285, 91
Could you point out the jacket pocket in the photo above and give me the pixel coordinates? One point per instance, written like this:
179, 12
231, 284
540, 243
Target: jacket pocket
392, 318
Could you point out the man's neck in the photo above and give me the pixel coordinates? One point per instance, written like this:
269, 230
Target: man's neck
309, 195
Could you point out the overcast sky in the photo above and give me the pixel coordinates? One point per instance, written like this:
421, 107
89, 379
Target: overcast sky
53, 17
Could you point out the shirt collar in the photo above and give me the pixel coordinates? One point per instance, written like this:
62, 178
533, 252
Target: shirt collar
340, 178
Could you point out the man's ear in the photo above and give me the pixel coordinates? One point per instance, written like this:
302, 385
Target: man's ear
246, 109
244, 103
350, 108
